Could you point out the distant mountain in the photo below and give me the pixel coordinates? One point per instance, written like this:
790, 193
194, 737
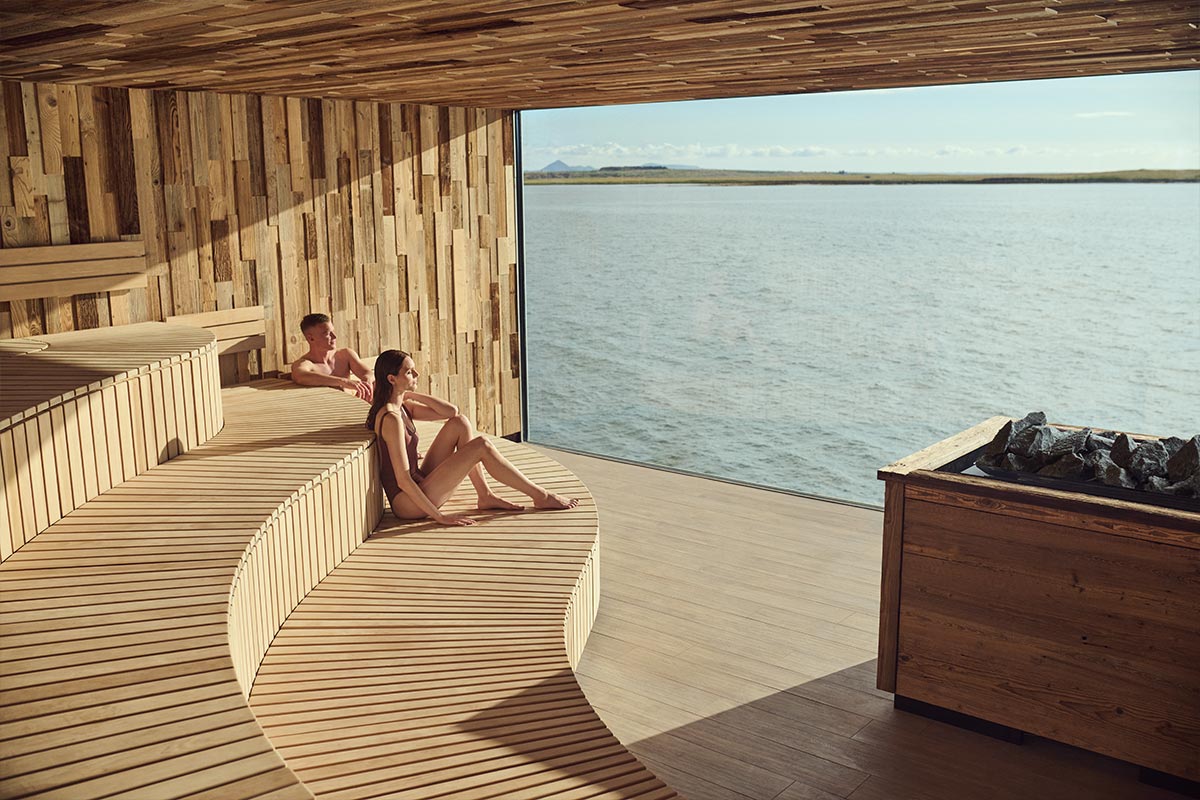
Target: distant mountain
559, 166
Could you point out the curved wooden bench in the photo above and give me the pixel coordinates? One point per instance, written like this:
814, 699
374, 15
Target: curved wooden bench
439, 662
81, 412
132, 627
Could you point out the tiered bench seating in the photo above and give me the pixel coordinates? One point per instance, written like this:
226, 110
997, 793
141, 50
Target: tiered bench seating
434, 662
438, 662
81, 412
133, 626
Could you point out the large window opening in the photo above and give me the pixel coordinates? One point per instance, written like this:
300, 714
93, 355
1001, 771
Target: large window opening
801, 336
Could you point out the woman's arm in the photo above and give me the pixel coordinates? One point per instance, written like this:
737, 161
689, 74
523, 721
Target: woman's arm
428, 407
397, 439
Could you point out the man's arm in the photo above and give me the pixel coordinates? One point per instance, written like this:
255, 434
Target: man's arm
359, 367
305, 374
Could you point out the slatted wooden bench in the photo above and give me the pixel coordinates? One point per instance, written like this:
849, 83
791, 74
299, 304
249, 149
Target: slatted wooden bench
81, 412
70, 269
238, 330
439, 662
133, 627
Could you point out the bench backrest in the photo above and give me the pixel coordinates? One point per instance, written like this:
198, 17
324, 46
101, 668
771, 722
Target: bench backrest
64, 270
237, 329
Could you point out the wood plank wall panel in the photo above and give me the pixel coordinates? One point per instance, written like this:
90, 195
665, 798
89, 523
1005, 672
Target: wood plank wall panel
551, 54
79, 417
396, 219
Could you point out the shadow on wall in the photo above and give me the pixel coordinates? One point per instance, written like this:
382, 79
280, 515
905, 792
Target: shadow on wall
397, 219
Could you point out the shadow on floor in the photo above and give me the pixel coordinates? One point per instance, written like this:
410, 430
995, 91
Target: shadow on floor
839, 737
548, 730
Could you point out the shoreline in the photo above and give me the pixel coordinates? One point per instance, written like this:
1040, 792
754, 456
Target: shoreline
753, 178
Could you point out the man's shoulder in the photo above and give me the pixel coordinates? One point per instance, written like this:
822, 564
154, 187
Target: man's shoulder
305, 361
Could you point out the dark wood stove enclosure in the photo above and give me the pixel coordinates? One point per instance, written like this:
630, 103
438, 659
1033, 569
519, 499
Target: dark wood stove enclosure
1051, 611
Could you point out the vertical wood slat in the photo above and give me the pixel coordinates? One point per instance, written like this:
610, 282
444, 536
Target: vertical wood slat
395, 219
889, 588
66, 449
309, 535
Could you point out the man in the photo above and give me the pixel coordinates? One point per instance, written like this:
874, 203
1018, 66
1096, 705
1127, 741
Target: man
326, 365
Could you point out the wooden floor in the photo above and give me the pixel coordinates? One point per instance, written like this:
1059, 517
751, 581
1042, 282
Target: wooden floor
734, 655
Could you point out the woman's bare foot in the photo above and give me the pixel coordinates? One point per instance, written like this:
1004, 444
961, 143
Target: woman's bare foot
495, 501
555, 502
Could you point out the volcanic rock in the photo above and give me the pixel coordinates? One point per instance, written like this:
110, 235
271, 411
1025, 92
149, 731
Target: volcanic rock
1149, 460
1029, 445
1122, 450
1173, 444
1188, 487
999, 443
1070, 466
1186, 461
1032, 418
1072, 442
1110, 473
1034, 442
1015, 463
1157, 484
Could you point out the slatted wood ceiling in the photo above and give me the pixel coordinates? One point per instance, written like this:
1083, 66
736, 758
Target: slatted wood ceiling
81, 412
397, 219
133, 627
548, 53
438, 662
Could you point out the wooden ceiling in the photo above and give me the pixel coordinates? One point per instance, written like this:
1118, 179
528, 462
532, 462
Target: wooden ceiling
547, 53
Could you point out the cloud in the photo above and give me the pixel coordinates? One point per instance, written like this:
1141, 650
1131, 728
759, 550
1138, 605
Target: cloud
667, 150
950, 156
1101, 114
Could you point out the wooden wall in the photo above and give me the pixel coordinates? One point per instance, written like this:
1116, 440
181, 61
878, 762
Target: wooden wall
396, 219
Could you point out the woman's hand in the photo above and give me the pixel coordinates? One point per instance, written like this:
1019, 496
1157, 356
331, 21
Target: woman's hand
454, 519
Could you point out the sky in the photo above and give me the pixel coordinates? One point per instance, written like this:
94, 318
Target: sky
1146, 121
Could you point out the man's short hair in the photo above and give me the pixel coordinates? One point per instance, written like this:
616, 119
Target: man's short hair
312, 321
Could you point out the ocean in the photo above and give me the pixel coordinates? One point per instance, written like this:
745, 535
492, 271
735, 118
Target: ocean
801, 337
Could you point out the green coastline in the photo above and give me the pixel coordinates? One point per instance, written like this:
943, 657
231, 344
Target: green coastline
723, 177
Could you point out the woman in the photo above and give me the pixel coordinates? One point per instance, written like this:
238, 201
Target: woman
417, 491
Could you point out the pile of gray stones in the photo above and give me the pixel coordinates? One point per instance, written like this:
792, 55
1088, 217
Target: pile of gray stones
1029, 445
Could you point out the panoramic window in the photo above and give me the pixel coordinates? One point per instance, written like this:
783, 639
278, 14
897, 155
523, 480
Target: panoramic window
794, 291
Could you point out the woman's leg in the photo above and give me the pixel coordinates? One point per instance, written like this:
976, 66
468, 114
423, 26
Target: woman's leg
440, 483
455, 433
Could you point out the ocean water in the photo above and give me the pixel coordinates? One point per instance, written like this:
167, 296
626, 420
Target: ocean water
801, 337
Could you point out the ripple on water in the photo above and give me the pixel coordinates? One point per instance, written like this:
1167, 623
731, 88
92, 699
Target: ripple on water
802, 337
